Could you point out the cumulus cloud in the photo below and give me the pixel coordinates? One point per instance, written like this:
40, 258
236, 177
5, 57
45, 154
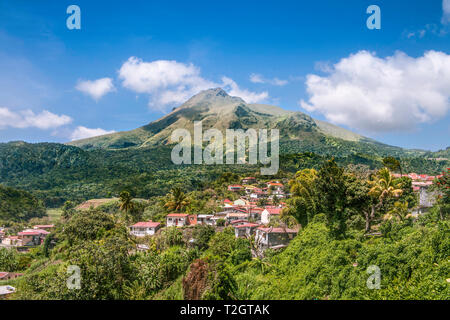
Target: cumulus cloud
257, 78
28, 119
81, 132
96, 88
375, 94
170, 82
248, 96
445, 12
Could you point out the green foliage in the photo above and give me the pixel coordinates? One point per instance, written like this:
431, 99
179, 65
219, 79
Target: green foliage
87, 225
202, 234
9, 260
414, 265
18, 205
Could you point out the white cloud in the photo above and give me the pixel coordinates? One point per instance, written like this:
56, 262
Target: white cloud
96, 88
28, 119
379, 95
82, 133
257, 78
445, 12
170, 82
248, 96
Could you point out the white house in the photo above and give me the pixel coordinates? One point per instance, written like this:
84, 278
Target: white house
142, 229
269, 212
245, 229
206, 219
177, 220
239, 202
274, 237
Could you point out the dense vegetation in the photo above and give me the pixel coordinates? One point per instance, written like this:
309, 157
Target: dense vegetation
18, 205
331, 257
56, 173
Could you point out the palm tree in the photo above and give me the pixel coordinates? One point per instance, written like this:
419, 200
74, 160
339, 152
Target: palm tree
126, 203
383, 186
177, 200
399, 211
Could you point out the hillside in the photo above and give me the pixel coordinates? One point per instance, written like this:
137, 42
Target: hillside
298, 131
17, 205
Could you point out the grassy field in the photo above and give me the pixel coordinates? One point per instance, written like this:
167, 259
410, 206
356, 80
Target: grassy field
54, 214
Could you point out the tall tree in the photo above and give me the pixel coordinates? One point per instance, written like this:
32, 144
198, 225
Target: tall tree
126, 203
178, 201
383, 186
393, 164
304, 203
331, 190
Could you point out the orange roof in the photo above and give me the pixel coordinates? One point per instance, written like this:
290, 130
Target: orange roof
274, 210
146, 224
181, 215
247, 225
277, 230
40, 226
275, 184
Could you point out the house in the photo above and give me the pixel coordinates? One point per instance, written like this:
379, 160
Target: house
32, 237
258, 193
238, 222
236, 216
268, 213
274, 238
9, 275
276, 189
12, 241
206, 219
142, 229
180, 220
235, 187
245, 229
240, 202
249, 180
46, 227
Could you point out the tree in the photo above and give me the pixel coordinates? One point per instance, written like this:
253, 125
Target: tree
304, 203
68, 209
399, 211
392, 164
331, 192
126, 203
442, 184
383, 187
178, 200
202, 234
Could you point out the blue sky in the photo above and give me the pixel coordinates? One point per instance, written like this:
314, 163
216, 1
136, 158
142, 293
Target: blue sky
133, 61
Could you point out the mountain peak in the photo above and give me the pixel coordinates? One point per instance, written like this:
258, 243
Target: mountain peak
212, 97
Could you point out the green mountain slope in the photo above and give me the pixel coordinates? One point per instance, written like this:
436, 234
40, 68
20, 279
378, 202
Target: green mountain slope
216, 109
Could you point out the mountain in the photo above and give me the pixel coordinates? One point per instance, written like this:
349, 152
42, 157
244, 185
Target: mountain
140, 160
216, 109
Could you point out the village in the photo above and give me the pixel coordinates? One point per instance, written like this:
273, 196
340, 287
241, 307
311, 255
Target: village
255, 214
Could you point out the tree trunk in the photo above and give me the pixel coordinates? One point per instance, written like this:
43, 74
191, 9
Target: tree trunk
369, 217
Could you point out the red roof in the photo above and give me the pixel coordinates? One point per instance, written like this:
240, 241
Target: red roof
3, 274
277, 230
227, 201
237, 221
40, 226
247, 225
275, 184
29, 233
41, 231
146, 224
179, 215
274, 210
